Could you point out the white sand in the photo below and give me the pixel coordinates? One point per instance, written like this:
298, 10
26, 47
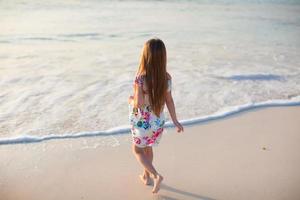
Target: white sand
254, 155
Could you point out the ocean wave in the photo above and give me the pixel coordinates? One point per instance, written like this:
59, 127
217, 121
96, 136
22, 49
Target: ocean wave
255, 77
72, 37
80, 35
226, 112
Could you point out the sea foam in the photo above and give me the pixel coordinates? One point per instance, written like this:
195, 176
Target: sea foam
295, 101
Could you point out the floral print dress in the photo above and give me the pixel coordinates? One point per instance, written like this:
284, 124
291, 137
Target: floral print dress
146, 127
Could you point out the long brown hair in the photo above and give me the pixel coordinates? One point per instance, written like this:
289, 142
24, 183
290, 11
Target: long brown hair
153, 65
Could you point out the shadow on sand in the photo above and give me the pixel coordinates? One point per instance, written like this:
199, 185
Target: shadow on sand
181, 192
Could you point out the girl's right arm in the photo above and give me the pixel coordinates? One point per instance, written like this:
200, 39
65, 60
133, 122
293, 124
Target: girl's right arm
171, 108
138, 98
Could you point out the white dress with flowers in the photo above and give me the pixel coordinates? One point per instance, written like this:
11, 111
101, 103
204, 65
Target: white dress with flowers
146, 127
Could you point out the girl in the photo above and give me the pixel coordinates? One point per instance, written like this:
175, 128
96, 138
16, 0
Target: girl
152, 90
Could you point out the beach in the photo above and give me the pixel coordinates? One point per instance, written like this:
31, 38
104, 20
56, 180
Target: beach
67, 69
251, 155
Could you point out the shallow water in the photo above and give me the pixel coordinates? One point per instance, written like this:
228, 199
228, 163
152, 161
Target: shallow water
67, 67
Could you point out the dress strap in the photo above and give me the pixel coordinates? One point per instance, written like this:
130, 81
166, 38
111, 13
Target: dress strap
139, 80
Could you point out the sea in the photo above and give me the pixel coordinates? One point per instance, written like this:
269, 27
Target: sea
67, 67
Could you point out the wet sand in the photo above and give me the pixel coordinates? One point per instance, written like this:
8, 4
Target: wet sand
252, 155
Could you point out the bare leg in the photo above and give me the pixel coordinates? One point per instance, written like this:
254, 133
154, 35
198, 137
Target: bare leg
158, 180
149, 155
145, 177
141, 157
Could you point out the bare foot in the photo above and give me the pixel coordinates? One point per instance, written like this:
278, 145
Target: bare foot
157, 182
145, 179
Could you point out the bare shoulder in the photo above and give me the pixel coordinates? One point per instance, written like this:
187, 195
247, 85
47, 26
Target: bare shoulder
140, 75
169, 77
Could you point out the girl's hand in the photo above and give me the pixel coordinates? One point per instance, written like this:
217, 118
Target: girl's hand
178, 126
130, 100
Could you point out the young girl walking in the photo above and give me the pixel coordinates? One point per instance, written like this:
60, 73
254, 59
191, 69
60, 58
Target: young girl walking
152, 90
